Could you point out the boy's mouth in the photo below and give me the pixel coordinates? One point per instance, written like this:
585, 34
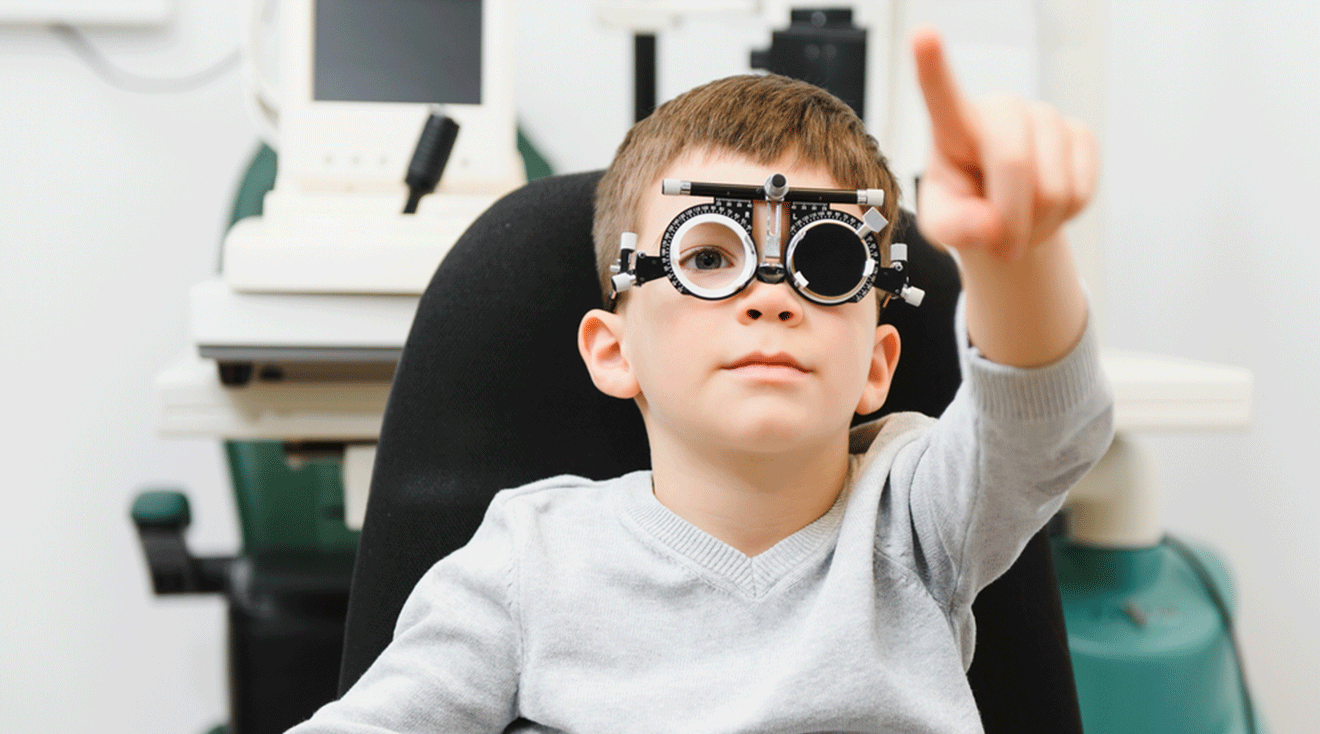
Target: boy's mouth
759, 360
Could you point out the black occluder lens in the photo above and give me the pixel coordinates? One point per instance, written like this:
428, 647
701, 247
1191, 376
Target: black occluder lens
831, 258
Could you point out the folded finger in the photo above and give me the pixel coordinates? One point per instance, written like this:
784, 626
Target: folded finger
1009, 167
1054, 197
1085, 164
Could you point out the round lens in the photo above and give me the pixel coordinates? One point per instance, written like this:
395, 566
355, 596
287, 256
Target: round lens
827, 261
712, 255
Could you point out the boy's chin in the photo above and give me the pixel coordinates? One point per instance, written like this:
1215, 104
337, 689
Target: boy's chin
777, 434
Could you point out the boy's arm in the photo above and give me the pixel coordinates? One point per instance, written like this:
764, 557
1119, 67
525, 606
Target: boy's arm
969, 493
1003, 177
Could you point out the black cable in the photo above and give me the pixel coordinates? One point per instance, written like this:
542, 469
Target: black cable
1225, 615
429, 158
116, 77
414, 198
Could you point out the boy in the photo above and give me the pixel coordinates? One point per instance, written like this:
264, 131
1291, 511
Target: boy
760, 577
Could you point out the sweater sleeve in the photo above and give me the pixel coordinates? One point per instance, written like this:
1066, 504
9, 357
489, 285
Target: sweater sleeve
998, 465
453, 663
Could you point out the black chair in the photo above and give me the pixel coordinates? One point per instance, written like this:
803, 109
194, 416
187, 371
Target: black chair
490, 393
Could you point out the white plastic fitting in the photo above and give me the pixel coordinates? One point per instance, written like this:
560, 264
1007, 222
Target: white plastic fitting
1116, 505
872, 221
871, 197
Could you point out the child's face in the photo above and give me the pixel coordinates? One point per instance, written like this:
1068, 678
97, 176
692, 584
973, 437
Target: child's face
763, 370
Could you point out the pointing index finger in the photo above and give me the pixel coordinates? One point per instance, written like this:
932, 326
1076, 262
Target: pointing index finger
953, 125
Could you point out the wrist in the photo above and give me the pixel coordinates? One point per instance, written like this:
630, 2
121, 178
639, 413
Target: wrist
1026, 311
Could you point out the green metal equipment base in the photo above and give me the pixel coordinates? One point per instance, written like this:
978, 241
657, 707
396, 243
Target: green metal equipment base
1150, 634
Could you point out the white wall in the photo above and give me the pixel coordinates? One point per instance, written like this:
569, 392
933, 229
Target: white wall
112, 205
1213, 254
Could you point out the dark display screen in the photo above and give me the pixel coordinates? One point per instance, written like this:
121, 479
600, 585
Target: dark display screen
413, 51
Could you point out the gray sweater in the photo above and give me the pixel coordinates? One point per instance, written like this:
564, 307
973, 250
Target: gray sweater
584, 606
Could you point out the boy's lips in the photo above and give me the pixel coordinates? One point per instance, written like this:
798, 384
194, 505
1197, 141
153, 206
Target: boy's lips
759, 360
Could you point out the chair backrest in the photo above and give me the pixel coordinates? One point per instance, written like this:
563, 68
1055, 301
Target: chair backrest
490, 393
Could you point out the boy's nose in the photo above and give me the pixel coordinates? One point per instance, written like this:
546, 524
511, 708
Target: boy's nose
777, 302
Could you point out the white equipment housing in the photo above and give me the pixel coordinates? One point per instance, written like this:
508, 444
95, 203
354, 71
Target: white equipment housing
297, 339
333, 223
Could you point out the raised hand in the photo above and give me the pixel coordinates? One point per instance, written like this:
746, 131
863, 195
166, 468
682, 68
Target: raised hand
1003, 177
1004, 174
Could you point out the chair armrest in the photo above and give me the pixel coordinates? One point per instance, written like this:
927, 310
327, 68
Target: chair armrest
161, 516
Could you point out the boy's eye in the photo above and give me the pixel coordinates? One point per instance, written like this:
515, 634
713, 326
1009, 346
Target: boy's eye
710, 255
706, 258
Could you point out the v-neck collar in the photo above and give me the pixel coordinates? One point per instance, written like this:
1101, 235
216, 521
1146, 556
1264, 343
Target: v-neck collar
753, 576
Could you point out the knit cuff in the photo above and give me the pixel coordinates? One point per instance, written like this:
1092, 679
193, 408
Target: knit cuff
1034, 393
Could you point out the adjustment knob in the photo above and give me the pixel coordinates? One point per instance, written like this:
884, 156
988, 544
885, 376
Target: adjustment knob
912, 295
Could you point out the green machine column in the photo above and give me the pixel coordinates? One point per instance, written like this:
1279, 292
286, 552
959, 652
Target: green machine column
1150, 648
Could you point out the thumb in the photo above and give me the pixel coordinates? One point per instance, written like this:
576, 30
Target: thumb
959, 222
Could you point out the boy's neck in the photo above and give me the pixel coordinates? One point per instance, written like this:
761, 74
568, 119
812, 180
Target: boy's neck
749, 501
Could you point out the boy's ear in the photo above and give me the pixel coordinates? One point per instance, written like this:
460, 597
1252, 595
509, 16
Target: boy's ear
884, 359
600, 342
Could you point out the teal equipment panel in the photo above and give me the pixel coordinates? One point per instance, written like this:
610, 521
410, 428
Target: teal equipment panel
1151, 651
283, 504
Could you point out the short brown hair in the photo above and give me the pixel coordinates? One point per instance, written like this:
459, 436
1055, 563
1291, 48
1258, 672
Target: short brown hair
760, 116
